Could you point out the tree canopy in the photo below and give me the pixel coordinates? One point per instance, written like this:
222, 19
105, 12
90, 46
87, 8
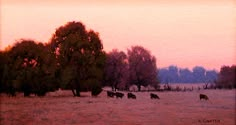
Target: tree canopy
29, 68
80, 56
116, 69
198, 74
227, 77
142, 67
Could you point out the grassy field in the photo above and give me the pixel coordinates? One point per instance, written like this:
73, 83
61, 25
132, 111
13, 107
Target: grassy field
173, 108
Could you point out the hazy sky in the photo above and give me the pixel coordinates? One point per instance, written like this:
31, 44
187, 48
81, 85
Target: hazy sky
185, 33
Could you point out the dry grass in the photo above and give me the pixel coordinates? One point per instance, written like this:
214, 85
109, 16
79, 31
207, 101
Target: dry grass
174, 108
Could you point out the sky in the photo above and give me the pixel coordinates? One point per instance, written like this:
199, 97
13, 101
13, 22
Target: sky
185, 33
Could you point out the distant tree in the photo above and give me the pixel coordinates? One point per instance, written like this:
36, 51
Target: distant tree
227, 77
199, 74
173, 76
142, 67
30, 68
186, 76
163, 75
80, 57
169, 75
211, 76
116, 69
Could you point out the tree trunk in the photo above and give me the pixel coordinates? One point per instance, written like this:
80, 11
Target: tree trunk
73, 92
126, 87
73, 84
26, 94
78, 92
115, 87
112, 88
12, 92
139, 88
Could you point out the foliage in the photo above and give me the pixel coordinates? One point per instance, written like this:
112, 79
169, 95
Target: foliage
227, 77
80, 56
142, 67
116, 69
174, 74
5, 86
29, 68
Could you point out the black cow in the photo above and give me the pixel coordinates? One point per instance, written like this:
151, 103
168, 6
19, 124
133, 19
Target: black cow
119, 95
203, 96
110, 94
154, 96
131, 95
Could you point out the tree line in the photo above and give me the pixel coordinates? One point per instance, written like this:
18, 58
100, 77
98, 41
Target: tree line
223, 79
198, 74
74, 59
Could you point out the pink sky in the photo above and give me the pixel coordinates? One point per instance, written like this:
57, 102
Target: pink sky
181, 33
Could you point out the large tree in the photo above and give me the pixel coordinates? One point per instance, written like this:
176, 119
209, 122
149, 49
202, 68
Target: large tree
80, 57
4, 61
227, 77
30, 68
142, 67
116, 69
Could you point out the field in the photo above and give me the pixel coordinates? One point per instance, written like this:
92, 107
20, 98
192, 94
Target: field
173, 108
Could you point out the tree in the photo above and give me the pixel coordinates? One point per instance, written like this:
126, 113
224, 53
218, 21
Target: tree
142, 67
186, 76
199, 74
163, 74
116, 69
4, 69
211, 76
80, 57
173, 74
227, 77
169, 75
30, 68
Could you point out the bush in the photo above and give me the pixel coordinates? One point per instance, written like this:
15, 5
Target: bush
96, 90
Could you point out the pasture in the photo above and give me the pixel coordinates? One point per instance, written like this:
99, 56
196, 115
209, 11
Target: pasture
173, 108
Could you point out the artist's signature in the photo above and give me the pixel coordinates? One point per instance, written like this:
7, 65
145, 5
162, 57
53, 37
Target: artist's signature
209, 121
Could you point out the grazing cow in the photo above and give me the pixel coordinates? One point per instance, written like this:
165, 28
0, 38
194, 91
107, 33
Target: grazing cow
110, 94
131, 95
119, 95
154, 96
202, 96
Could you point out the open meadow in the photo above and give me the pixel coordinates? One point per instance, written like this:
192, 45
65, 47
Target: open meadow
173, 108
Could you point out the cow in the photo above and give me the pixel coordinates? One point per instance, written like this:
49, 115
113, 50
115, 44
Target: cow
110, 94
154, 96
119, 95
131, 95
203, 96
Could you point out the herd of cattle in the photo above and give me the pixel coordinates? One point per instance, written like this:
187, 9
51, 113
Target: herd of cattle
133, 96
